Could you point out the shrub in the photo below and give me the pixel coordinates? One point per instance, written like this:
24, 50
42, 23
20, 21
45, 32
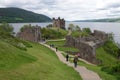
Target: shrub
112, 69
86, 30
6, 28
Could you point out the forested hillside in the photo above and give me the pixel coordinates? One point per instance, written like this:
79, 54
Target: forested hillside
16, 15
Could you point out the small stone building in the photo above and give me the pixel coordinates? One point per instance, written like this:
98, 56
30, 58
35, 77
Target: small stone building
30, 33
60, 23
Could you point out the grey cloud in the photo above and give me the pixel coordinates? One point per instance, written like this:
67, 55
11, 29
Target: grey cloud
48, 2
110, 6
114, 5
113, 15
115, 12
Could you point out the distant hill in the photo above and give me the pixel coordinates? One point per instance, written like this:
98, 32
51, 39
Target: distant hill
16, 15
101, 20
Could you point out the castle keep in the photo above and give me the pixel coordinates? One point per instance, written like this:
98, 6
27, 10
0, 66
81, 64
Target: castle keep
30, 33
88, 45
60, 23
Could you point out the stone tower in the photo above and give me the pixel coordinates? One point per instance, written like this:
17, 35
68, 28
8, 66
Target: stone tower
59, 23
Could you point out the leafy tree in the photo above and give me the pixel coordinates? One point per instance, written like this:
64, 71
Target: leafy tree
49, 26
111, 36
77, 28
5, 27
87, 30
25, 26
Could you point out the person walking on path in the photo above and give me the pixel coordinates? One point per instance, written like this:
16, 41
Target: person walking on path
67, 57
75, 60
56, 49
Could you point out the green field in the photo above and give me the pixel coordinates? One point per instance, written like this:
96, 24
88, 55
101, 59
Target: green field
37, 63
61, 46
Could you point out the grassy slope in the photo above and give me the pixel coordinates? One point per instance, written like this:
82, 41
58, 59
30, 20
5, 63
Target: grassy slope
106, 58
60, 45
11, 57
47, 66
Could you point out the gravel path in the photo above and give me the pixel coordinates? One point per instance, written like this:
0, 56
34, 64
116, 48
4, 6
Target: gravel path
83, 71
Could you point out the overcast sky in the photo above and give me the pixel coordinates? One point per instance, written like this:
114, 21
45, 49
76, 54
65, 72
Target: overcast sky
69, 9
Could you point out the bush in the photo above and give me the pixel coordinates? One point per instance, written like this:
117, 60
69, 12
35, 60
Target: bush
112, 69
6, 28
111, 48
51, 33
86, 30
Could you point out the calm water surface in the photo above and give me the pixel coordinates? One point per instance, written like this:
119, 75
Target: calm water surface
107, 27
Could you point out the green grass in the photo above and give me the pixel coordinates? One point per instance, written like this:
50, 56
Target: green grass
76, 34
60, 45
57, 43
106, 58
11, 57
46, 67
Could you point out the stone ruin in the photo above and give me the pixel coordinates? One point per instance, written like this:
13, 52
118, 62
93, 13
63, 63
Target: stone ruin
60, 23
30, 33
88, 45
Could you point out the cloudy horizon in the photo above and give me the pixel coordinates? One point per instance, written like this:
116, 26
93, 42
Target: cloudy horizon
69, 9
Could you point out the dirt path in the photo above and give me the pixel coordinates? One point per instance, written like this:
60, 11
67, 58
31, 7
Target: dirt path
83, 71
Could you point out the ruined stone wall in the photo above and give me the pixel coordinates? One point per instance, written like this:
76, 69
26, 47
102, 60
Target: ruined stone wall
87, 52
70, 41
100, 35
30, 33
88, 45
59, 23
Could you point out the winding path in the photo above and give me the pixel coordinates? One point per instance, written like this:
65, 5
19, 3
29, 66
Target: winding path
83, 71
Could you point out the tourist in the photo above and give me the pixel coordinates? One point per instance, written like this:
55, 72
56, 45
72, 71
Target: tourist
78, 54
56, 49
67, 56
50, 45
75, 60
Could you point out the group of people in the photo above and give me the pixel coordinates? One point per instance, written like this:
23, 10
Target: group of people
52, 45
75, 60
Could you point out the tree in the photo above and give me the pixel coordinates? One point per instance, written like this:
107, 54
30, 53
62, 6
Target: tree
5, 27
111, 36
87, 30
77, 28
